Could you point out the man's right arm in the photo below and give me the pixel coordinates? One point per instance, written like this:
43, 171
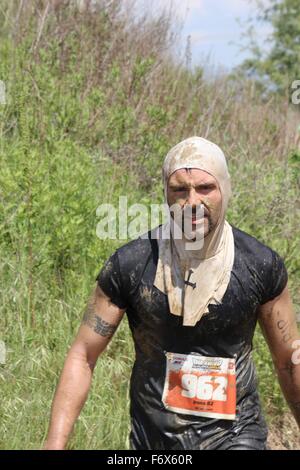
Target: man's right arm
101, 319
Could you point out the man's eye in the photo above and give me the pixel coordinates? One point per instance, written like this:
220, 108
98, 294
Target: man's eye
179, 190
206, 187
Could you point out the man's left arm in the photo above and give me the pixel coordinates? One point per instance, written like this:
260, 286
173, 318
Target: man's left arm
278, 323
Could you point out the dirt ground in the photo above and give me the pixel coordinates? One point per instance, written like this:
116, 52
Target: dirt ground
284, 434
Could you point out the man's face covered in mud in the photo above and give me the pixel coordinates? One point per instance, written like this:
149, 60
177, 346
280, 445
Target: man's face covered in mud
197, 192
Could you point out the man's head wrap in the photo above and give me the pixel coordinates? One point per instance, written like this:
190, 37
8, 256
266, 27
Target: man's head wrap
211, 265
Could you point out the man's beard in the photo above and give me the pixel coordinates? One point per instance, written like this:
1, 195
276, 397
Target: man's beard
191, 224
190, 232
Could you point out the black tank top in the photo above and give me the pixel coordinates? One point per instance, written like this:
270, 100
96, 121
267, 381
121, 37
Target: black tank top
258, 275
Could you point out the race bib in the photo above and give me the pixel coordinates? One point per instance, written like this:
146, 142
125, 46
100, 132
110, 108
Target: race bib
200, 385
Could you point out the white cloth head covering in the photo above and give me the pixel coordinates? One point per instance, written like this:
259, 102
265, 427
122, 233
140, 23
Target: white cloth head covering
211, 264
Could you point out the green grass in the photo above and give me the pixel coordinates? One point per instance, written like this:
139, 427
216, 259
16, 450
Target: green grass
34, 361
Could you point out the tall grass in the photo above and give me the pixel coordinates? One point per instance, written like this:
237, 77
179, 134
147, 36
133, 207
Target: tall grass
94, 101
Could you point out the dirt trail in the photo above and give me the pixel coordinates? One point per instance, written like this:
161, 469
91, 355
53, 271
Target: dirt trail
284, 434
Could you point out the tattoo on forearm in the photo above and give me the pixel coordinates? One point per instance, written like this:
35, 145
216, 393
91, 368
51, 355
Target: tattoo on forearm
285, 330
96, 323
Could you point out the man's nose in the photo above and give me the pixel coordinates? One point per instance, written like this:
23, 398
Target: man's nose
193, 198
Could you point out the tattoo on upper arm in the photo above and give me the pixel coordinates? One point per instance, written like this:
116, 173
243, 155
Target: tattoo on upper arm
96, 323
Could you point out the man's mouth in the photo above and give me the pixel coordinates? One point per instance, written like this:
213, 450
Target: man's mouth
195, 220
195, 217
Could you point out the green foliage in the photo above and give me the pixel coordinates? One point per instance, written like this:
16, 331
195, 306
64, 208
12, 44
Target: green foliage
268, 386
281, 65
92, 109
294, 163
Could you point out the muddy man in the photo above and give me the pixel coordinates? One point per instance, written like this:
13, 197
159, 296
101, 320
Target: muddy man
193, 302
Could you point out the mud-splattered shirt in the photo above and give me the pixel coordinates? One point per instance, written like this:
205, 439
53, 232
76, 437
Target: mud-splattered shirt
258, 275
